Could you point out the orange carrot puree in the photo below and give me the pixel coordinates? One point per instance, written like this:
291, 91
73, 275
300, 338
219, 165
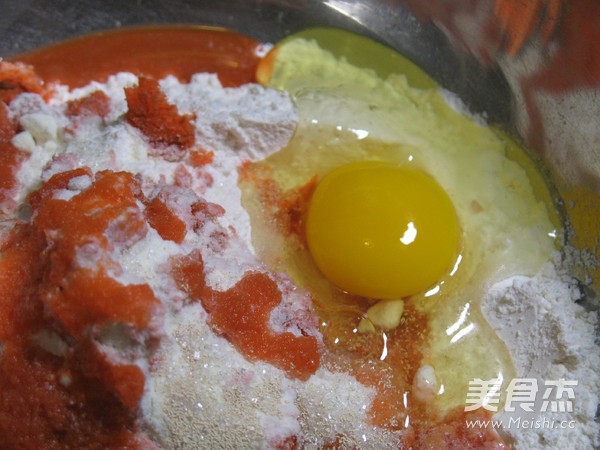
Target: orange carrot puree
150, 51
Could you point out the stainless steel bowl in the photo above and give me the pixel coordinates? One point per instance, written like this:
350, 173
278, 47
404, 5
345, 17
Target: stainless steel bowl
530, 66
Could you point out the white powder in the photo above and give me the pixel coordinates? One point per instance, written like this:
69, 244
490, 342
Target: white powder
334, 403
203, 386
550, 337
247, 123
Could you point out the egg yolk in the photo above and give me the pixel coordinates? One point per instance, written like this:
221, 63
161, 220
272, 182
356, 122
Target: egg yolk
381, 231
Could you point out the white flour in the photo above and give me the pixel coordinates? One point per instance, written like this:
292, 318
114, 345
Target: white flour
550, 337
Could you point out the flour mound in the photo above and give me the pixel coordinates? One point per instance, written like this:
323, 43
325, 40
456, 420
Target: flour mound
550, 337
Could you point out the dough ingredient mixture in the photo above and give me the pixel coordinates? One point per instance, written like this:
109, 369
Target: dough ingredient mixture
158, 291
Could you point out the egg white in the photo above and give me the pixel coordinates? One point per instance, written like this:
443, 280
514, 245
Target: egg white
350, 114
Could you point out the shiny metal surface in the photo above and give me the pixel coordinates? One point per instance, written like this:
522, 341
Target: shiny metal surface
531, 66
32, 23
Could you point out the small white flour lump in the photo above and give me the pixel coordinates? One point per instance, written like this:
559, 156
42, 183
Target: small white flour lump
200, 391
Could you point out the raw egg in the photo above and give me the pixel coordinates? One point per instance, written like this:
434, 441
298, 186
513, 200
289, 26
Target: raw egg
382, 231
415, 199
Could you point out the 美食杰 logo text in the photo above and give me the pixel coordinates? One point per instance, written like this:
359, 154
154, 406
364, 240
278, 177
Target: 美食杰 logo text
523, 395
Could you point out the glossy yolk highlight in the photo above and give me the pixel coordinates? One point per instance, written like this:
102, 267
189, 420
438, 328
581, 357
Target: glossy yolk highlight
381, 231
